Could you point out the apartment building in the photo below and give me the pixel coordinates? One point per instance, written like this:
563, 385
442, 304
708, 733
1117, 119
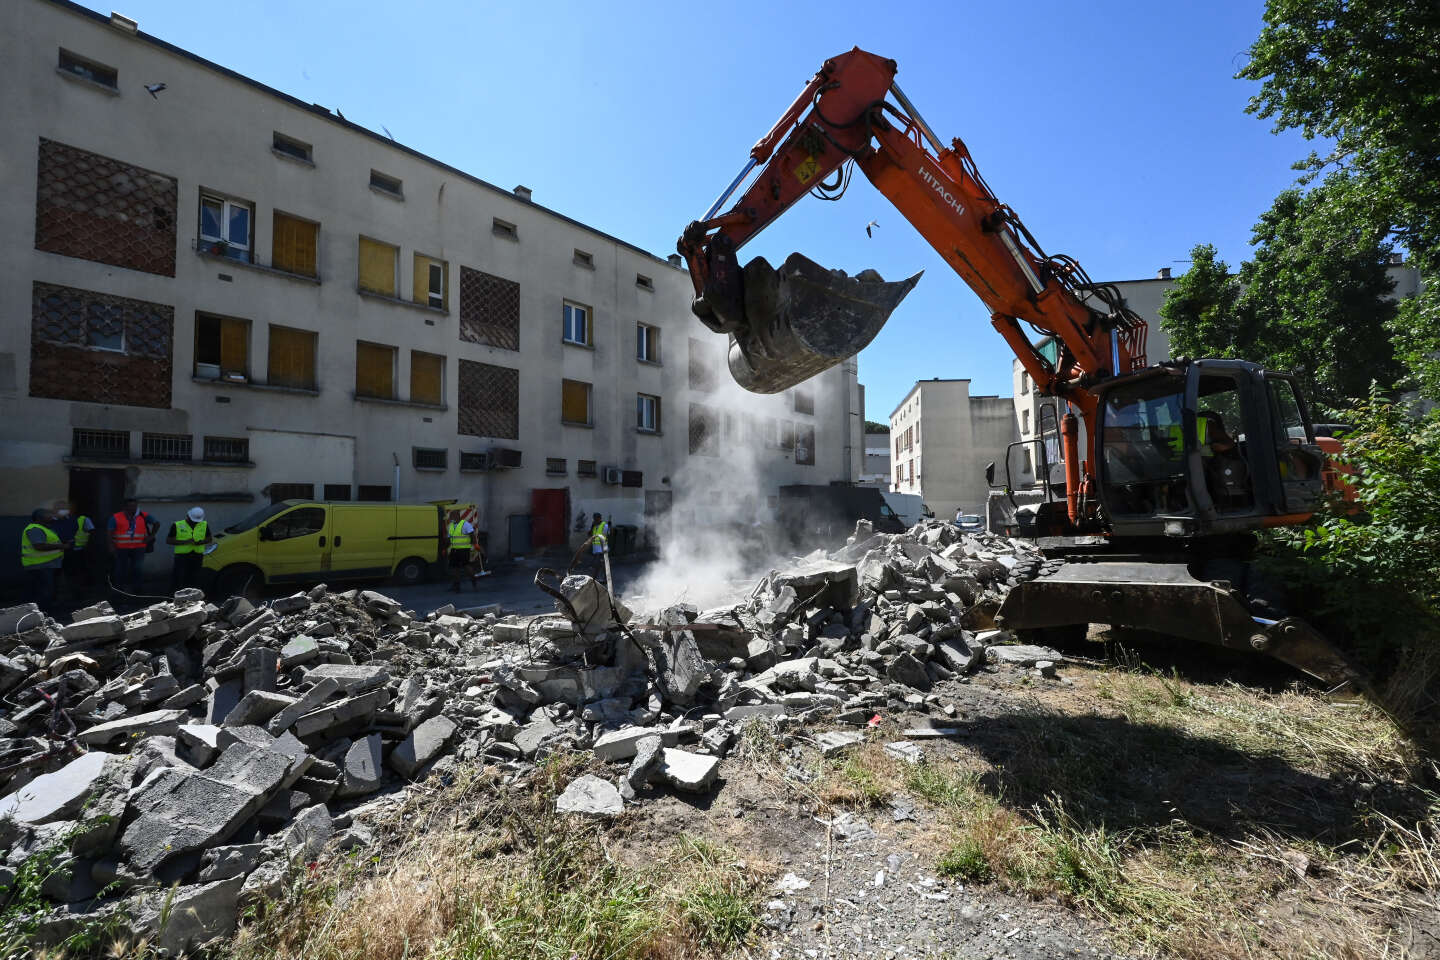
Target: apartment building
235, 297
942, 440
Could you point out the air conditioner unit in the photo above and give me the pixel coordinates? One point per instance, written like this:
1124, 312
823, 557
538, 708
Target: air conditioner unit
613, 475
503, 458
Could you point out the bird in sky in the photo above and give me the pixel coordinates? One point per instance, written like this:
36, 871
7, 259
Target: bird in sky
872, 223
154, 89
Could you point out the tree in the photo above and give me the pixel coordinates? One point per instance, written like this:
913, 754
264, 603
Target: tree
872, 427
1365, 74
1314, 301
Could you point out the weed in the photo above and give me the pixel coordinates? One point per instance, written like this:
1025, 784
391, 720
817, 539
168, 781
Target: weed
965, 860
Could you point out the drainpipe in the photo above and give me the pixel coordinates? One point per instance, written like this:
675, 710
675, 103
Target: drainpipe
396, 457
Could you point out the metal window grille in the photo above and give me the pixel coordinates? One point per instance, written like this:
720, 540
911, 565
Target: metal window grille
474, 461
585, 468
63, 365
337, 491
373, 493
702, 366
291, 491
704, 437
426, 458
489, 309
227, 449
100, 444
166, 446
489, 401
805, 446
555, 465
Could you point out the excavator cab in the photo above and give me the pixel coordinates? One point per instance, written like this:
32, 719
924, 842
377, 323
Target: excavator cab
1205, 448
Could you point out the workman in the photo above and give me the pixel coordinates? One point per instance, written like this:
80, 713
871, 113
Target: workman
464, 551
599, 544
1226, 475
76, 530
41, 553
189, 537
132, 535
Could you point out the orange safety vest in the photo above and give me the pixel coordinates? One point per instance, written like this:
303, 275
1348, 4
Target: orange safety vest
129, 537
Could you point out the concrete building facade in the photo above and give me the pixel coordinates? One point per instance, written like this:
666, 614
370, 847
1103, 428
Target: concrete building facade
217, 294
942, 438
877, 470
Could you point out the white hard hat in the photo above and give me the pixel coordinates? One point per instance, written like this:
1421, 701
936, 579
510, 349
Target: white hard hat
196, 514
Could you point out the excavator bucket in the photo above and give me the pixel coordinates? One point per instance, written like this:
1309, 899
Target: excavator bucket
802, 319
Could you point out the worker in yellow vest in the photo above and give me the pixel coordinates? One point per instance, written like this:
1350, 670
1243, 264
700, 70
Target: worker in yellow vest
189, 537
41, 552
463, 545
599, 545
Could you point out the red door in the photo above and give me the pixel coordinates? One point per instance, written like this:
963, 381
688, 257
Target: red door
548, 512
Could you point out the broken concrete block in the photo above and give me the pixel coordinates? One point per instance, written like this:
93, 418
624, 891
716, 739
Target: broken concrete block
623, 744
355, 711
534, 734
362, 773
181, 920
909, 671
197, 744
19, 618
647, 756
690, 772
309, 831
222, 863
957, 656
261, 665
423, 745
145, 724
97, 628
352, 678
187, 697
1022, 654
590, 796
223, 698
298, 652
834, 742
307, 703
56, 796
905, 750
291, 604
256, 707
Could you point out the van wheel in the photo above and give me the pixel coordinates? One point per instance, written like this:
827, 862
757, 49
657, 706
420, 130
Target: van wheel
410, 571
239, 580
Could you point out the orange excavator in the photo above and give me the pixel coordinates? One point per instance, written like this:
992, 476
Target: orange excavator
1168, 470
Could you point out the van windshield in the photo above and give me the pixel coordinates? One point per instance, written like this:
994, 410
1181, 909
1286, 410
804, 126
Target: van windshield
257, 518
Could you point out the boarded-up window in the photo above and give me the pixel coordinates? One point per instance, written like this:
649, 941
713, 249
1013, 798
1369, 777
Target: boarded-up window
378, 263
704, 437
575, 402
805, 446
293, 245
222, 346
95, 208
373, 492
702, 366
432, 282
427, 378
489, 309
787, 435
292, 358
98, 348
804, 401
374, 371
489, 401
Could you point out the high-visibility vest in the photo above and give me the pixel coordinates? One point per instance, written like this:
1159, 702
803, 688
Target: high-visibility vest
128, 536
191, 539
82, 536
459, 539
32, 556
598, 533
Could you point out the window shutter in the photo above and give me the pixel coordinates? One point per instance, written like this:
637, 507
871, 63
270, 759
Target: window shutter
377, 266
292, 358
574, 401
375, 371
294, 245
426, 378
234, 347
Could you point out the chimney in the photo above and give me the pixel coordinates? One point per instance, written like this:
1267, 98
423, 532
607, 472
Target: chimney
1163, 274
1397, 259
676, 259
123, 23
523, 192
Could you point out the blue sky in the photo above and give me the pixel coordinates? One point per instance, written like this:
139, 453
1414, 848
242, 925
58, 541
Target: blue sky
1114, 129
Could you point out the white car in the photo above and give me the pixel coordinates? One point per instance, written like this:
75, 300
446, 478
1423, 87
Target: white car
970, 523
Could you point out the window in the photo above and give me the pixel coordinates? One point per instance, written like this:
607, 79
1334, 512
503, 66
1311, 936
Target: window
647, 413
644, 282
379, 263
1024, 382
291, 491
805, 446
804, 401
225, 227
917, 433
787, 435
583, 259
292, 245
89, 70
647, 343
586, 468
222, 347
489, 309
100, 444
702, 366
899, 474
374, 371
292, 358
373, 493
429, 458
1024, 421
226, 449
577, 324
337, 491
431, 287
104, 327
292, 148
1027, 465
166, 446
555, 466
503, 228
387, 184
474, 461
489, 401
303, 522
704, 438
427, 378
575, 402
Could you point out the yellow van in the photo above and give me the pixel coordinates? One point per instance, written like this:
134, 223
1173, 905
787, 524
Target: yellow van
297, 541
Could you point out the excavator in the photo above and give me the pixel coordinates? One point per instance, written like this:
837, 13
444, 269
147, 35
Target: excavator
1169, 469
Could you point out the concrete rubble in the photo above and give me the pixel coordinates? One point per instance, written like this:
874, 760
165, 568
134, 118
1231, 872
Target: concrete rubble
206, 747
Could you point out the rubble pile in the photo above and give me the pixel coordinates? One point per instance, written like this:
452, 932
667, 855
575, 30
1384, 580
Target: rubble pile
211, 746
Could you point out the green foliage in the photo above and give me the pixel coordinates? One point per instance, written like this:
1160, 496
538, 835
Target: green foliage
872, 427
965, 860
1200, 312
